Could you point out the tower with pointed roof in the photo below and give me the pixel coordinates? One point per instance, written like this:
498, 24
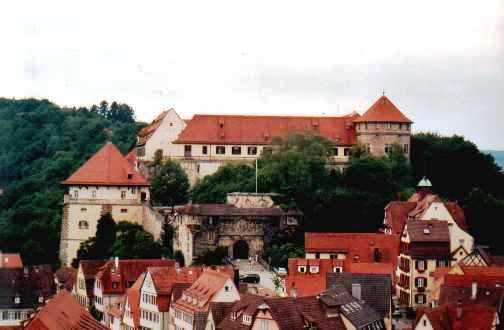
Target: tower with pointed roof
106, 183
382, 126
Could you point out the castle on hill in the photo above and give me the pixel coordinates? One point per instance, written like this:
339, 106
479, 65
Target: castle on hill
205, 142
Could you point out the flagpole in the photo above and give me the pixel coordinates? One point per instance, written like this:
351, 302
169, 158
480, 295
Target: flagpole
256, 174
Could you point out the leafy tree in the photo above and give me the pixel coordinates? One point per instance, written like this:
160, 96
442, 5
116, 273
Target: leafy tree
455, 166
279, 255
228, 178
41, 144
179, 257
100, 245
166, 240
214, 257
132, 242
171, 186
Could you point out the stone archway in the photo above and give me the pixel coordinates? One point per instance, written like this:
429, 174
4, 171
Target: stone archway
240, 250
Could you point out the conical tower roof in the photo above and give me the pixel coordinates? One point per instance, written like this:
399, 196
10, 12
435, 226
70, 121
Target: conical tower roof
424, 183
107, 167
383, 110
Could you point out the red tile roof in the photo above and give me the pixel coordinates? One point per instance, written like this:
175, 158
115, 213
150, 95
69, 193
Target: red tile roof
428, 231
146, 132
107, 167
165, 278
204, 288
383, 110
238, 129
128, 272
10, 260
131, 157
444, 317
358, 245
397, 214
480, 270
133, 298
66, 277
63, 312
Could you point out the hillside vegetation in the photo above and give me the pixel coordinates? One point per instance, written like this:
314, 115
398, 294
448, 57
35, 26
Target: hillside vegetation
41, 144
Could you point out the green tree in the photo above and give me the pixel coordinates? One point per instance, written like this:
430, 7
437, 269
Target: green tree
132, 242
100, 245
228, 178
171, 186
179, 257
279, 255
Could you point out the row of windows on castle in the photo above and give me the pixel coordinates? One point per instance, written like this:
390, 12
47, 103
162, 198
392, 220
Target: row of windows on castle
93, 193
84, 224
371, 126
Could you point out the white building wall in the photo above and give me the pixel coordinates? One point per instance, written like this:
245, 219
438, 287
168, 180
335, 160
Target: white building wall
163, 137
229, 295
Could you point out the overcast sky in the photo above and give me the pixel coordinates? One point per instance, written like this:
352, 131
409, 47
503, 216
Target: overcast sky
440, 62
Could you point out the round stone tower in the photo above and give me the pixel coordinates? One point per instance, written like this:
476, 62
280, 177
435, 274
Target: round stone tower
382, 126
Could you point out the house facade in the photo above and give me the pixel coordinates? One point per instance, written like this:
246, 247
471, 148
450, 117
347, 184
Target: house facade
106, 183
191, 309
206, 142
425, 246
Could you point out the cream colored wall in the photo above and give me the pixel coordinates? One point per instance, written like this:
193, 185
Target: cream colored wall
77, 291
152, 221
272, 325
231, 295
126, 318
183, 239
107, 193
378, 134
163, 137
458, 237
420, 324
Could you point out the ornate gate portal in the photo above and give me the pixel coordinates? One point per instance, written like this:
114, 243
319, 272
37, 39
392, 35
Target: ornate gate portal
240, 250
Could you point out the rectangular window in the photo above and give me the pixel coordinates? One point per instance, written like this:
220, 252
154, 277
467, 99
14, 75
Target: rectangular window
236, 150
420, 299
124, 210
252, 150
421, 265
83, 224
406, 148
123, 194
133, 190
346, 151
93, 194
335, 151
83, 209
141, 151
220, 150
387, 148
76, 194
187, 151
204, 150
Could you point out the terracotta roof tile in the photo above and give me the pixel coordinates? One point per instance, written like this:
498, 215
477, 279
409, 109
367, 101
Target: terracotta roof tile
480, 270
129, 270
133, 298
383, 110
397, 214
204, 288
474, 317
66, 277
428, 231
457, 214
107, 167
239, 129
63, 312
361, 246
10, 260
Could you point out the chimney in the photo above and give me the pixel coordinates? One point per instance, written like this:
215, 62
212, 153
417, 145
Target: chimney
116, 262
356, 291
474, 290
459, 310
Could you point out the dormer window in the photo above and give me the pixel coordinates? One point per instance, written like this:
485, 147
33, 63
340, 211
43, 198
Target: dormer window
302, 269
247, 319
338, 270
314, 269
